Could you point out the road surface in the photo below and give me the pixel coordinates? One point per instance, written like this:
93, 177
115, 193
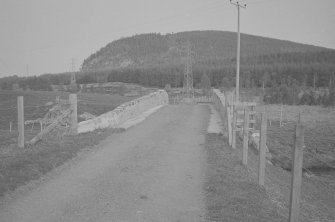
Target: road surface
154, 171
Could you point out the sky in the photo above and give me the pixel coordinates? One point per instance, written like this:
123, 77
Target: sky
43, 36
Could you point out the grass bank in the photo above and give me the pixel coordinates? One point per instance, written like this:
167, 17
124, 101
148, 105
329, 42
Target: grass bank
232, 193
19, 166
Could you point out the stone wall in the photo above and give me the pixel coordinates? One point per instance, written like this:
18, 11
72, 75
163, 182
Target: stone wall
219, 101
222, 104
125, 112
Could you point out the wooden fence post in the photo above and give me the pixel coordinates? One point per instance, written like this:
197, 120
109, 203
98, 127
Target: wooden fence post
20, 121
245, 137
262, 149
234, 127
229, 122
73, 117
297, 156
281, 115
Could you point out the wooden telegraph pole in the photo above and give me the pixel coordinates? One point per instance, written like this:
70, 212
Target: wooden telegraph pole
238, 5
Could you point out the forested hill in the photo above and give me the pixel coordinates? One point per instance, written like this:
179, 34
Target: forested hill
157, 60
147, 50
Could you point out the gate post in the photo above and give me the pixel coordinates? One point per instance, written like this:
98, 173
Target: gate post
245, 137
73, 115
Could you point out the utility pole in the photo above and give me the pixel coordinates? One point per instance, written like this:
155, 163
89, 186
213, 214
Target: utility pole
238, 5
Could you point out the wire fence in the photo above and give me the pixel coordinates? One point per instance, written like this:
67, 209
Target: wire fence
318, 166
317, 202
38, 104
8, 116
35, 106
282, 114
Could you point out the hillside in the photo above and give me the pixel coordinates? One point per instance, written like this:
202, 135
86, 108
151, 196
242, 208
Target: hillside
148, 50
154, 60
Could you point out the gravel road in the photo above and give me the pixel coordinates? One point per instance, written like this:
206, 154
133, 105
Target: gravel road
154, 171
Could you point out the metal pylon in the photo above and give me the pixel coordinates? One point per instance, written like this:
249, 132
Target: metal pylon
188, 74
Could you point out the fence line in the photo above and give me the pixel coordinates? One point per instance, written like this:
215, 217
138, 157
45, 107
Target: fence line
22, 111
10, 108
325, 184
280, 114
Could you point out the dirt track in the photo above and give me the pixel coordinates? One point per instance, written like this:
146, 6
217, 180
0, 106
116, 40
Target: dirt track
152, 172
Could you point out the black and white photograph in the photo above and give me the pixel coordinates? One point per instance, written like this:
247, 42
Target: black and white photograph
167, 111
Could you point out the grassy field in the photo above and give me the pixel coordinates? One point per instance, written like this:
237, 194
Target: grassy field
232, 193
34, 103
18, 166
319, 137
319, 122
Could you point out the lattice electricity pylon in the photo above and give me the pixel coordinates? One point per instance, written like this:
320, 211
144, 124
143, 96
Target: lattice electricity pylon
188, 74
73, 73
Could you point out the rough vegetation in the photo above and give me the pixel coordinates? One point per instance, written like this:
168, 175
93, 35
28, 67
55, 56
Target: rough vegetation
17, 165
319, 123
232, 192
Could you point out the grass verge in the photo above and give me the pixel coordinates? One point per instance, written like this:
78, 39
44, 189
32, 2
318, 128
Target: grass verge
19, 166
232, 193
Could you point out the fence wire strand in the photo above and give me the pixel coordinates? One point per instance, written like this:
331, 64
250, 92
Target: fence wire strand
320, 160
322, 182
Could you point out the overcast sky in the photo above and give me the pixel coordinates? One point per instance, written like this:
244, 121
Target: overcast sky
41, 36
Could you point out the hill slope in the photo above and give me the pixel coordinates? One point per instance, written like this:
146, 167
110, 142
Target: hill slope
154, 49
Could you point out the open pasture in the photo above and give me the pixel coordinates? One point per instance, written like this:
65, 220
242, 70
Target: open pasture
319, 122
17, 165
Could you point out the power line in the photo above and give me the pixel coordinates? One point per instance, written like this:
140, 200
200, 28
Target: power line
10, 108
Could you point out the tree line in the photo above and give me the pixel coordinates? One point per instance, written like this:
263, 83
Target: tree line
282, 74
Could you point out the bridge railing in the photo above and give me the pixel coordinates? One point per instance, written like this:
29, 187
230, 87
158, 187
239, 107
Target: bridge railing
125, 111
